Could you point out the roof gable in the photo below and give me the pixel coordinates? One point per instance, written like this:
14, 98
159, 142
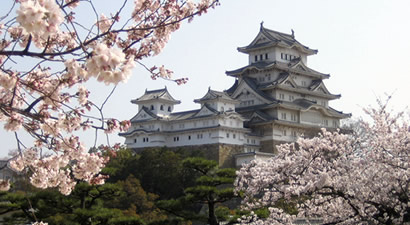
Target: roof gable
319, 86
212, 95
206, 110
286, 80
143, 115
245, 87
156, 95
268, 38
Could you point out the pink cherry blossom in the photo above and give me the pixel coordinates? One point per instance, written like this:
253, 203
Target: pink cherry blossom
339, 178
48, 95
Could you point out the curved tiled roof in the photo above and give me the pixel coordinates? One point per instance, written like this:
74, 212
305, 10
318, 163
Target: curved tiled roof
275, 38
294, 66
212, 95
159, 94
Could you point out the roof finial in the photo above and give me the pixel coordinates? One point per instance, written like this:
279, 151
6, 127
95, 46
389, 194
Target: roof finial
262, 25
293, 33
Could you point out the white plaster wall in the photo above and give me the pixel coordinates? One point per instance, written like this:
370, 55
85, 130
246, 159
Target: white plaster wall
223, 106
157, 108
270, 52
278, 134
311, 117
288, 51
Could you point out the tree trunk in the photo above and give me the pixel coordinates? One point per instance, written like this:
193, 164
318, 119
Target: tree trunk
211, 214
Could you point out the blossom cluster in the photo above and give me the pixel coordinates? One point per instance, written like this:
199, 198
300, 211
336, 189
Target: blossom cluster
340, 178
39, 18
47, 57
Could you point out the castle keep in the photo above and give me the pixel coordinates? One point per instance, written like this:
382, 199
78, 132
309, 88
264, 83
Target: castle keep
274, 99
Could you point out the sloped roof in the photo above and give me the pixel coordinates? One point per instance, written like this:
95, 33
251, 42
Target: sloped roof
262, 115
270, 38
251, 83
298, 64
159, 94
212, 95
295, 65
211, 110
147, 111
304, 104
260, 65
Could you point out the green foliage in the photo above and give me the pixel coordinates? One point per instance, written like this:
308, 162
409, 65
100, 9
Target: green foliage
212, 186
155, 187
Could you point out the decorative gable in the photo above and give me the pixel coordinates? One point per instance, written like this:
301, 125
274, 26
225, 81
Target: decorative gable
321, 88
143, 115
290, 83
299, 67
246, 93
205, 111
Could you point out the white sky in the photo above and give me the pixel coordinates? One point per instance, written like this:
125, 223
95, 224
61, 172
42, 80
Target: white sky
363, 44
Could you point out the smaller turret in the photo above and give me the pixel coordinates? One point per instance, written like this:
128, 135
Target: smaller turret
220, 101
159, 102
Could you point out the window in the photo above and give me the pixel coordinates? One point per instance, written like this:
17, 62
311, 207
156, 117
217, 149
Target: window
256, 58
334, 123
234, 136
304, 83
135, 140
169, 108
199, 136
152, 107
189, 137
176, 138
227, 135
247, 140
181, 125
281, 55
294, 134
283, 116
284, 132
266, 56
325, 122
210, 135
161, 108
281, 96
261, 57
293, 117
291, 97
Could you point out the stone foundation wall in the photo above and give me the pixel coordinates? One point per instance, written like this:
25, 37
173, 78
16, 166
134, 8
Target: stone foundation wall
270, 146
221, 153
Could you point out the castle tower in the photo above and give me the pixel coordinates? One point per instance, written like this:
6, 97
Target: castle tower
280, 97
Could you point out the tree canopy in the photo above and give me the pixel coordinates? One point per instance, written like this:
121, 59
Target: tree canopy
50, 50
340, 178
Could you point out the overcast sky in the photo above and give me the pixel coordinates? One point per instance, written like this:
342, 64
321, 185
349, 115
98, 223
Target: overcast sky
363, 44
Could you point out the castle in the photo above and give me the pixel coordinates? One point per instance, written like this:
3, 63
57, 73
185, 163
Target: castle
275, 99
